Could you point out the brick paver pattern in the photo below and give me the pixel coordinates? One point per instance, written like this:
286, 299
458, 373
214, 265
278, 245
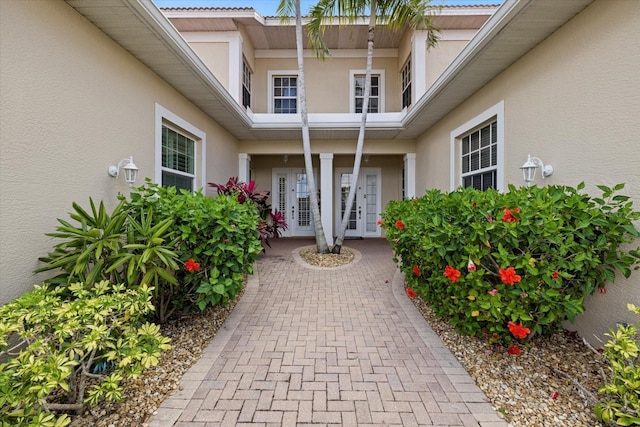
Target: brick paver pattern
311, 346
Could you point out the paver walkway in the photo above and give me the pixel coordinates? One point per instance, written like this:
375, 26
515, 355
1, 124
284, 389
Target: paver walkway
311, 346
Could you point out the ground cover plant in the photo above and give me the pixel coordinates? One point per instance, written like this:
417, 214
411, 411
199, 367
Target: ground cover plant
67, 347
621, 395
512, 265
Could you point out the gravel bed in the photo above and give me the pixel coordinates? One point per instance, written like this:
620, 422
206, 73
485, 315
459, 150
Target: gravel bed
551, 383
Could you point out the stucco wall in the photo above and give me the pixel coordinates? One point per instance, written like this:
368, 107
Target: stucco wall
439, 57
573, 101
215, 56
73, 103
327, 82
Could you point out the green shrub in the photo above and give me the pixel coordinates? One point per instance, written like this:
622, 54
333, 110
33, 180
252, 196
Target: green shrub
272, 224
56, 346
511, 265
622, 393
118, 247
217, 241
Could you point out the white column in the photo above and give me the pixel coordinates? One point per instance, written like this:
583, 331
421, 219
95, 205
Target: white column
244, 167
418, 65
410, 175
326, 195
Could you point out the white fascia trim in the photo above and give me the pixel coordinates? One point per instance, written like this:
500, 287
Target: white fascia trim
496, 111
160, 25
164, 115
228, 14
328, 120
337, 53
270, 75
352, 90
494, 25
472, 11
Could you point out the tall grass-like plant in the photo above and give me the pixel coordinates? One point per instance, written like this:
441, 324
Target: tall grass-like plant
512, 265
119, 247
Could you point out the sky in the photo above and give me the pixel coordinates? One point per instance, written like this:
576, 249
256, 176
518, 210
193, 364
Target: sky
268, 7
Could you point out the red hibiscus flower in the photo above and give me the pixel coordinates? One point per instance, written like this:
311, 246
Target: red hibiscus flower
493, 292
471, 266
191, 265
602, 290
451, 273
416, 271
400, 225
514, 349
518, 330
509, 276
379, 222
555, 275
508, 216
411, 293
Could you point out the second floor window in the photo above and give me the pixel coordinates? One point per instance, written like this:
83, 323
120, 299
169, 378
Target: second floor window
374, 97
246, 85
285, 94
406, 84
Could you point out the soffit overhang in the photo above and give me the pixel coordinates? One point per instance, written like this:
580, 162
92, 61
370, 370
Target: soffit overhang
144, 31
271, 33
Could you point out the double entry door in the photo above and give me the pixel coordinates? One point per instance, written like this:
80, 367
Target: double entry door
366, 208
290, 195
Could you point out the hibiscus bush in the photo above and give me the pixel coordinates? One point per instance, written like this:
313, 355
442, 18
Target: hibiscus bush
515, 264
217, 241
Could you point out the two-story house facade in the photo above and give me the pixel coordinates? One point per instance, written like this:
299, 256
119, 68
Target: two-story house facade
200, 95
254, 58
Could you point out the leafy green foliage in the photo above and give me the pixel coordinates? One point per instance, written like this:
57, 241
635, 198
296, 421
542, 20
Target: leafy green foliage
220, 234
121, 247
53, 342
528, 256
272, 223
622, 393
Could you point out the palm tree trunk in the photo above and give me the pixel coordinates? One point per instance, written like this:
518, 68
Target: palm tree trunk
363, 125
321, 241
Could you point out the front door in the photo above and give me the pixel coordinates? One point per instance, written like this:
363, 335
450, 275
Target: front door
367, 205
291, 197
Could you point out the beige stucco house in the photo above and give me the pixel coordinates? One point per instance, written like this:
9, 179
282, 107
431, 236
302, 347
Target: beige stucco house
86, 84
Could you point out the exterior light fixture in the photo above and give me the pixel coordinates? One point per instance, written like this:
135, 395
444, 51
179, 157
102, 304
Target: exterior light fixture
366, 158
130, 170
530, 167
285, 158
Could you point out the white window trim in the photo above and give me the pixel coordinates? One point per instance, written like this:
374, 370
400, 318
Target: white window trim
352, 88
245, 64
408, 64
164, 116
495, 112
270, 75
